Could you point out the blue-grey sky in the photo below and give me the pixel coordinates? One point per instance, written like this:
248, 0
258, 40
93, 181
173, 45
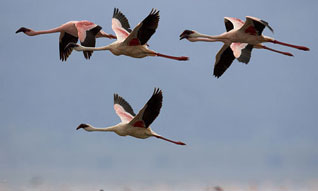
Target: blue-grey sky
257, 122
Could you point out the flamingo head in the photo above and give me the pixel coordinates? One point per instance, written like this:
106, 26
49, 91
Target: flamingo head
187, 34
83, 126
24, 30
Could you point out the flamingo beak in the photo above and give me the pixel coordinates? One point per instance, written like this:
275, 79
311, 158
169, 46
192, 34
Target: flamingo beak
186, 34
182, 36
82, 126
22, 29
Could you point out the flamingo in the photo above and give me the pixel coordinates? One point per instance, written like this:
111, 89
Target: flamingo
86, 31
129, 42
135, 125
239, 40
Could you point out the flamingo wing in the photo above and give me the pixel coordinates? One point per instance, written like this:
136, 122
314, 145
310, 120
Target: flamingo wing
65, 38
144, 30
254, 26
120, 25
246, 52
223, 60
90, 40
123, 109
149, 112
232, 23
239, 49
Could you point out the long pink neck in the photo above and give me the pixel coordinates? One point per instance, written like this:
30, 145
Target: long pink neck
175, 142
181, 58
201, 39
209, 38
33, 33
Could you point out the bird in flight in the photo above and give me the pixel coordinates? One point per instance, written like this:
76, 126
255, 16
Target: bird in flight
239, 40
135, 125
86, 31
129, 42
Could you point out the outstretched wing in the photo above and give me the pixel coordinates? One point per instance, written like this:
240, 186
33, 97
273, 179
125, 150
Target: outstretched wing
66, 38
123, 109
246, 54
254, 26
149, 112
144, 30
241, 51
90, 40
223, 60
120, 25
232, 23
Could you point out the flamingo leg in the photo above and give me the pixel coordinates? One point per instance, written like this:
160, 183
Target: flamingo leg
181, 58
175, 142
290, 45
285, 53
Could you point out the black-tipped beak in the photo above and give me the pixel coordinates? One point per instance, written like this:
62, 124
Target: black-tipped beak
185, 34
182, 37
22, 29
70, 45
81, 126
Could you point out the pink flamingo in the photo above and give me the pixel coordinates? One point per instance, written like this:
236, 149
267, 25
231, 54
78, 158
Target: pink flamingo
86, 31
129, 42
135, 125
239, 40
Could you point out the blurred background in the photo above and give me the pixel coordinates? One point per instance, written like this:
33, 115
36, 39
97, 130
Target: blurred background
252, 129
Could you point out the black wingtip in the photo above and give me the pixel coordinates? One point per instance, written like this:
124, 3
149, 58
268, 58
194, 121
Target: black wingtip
154, 11
116, 98
217, 75
95, 30
115, 11
157, 91
269, 27
87, 54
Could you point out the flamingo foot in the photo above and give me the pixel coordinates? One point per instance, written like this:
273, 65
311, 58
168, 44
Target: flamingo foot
181, 58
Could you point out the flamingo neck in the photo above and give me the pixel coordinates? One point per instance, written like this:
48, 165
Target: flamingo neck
200, 39
171, 141
91, 128
33, 33
84, 48
208, 38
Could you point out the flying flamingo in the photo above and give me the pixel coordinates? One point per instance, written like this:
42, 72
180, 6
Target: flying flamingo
86, 31
130, 43
135, 125
239, 40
